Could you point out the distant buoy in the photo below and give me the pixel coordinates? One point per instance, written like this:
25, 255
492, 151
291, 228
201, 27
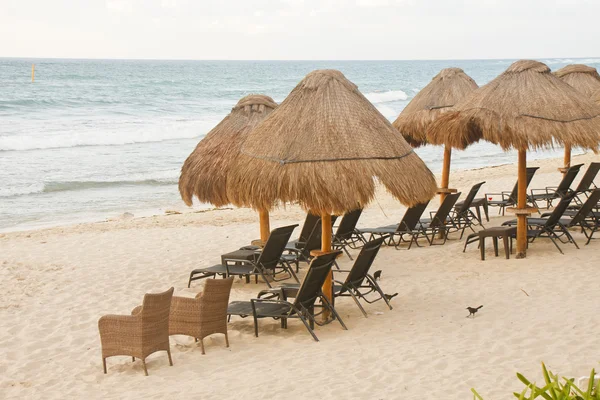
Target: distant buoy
32, 72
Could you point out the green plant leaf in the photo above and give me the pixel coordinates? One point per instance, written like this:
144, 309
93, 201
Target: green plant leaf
476, 395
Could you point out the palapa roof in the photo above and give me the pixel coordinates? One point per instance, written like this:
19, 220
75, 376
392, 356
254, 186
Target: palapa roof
323, 147
581, 77
596, 97
205, 171
524, 107
445, 90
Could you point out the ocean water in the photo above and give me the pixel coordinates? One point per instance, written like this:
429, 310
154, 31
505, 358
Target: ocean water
93, 139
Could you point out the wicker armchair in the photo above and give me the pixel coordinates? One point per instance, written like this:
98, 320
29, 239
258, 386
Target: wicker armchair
140, 334
203, 315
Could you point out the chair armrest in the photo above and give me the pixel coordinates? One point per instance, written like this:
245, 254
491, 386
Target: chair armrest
551, 189
432, 214
117, 323
340, 270
533, 191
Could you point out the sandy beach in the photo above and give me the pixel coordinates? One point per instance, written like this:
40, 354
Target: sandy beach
57, 282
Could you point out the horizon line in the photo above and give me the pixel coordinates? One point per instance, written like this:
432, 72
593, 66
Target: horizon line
283, 60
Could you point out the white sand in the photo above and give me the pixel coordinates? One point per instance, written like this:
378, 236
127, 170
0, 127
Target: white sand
56, 283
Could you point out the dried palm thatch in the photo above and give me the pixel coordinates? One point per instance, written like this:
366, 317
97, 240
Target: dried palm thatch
205, 171
526, 107
581, 77
323, 147
596, 97
445, 90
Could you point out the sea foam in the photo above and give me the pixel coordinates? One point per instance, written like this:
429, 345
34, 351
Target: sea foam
386, 97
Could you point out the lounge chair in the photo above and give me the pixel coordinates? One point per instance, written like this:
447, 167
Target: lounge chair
407, 227
140, 334
203, 315
346, 234
462, 216
586, 184
439, 221
550, 193
304, 304
584, 217
551, 227
269, 261
509, 199
307, 228
301, 253
358, 283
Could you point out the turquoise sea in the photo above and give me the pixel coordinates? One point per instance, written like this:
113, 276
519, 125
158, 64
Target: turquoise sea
92, 139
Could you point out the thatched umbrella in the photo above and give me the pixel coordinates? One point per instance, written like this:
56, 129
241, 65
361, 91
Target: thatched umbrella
445, 90
596, 97
323, 147
587, 81
206, 170
526, 107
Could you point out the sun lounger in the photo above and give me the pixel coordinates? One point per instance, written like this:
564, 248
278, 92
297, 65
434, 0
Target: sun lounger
508, 199
268, 264
303, 306
550, 193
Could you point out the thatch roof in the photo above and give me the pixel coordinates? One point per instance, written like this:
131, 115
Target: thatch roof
445, 90
524, 107
581, 77
205, 171
596, 97
323, 147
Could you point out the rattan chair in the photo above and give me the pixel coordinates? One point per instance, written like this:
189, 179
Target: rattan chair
140, 334
203, 315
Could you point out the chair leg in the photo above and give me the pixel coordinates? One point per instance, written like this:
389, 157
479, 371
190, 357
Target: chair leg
359, 305
190, 280
104, 363
202, 345
226, 340
132, 359
170, 359
145, 369
307, 325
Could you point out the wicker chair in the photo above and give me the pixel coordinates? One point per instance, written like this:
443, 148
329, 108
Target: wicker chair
140, 334
203, 315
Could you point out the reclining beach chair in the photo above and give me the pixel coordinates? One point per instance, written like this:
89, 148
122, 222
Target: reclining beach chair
204, 315
300, 252
439, 221
140, 334
346, 234
307, 228
303, 306
269, 261
586, 184
509, 199
550, 227
550, 193
408, 227
462, 216
584, 217
358, 283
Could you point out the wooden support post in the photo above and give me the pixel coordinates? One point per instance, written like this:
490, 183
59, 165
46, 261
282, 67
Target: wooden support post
265, 228
32, 72
567, 162
522, 204
445, 172
325, 248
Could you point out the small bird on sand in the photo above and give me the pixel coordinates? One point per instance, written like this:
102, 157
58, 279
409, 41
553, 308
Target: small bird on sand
391, 296
472, 311
377, 275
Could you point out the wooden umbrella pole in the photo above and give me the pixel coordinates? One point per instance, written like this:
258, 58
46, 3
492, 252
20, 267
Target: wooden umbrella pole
326, 230
522, 204
265, 228
446, 171
567, 162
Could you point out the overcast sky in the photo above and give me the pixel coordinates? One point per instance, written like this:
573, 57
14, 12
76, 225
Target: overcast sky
300, 29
